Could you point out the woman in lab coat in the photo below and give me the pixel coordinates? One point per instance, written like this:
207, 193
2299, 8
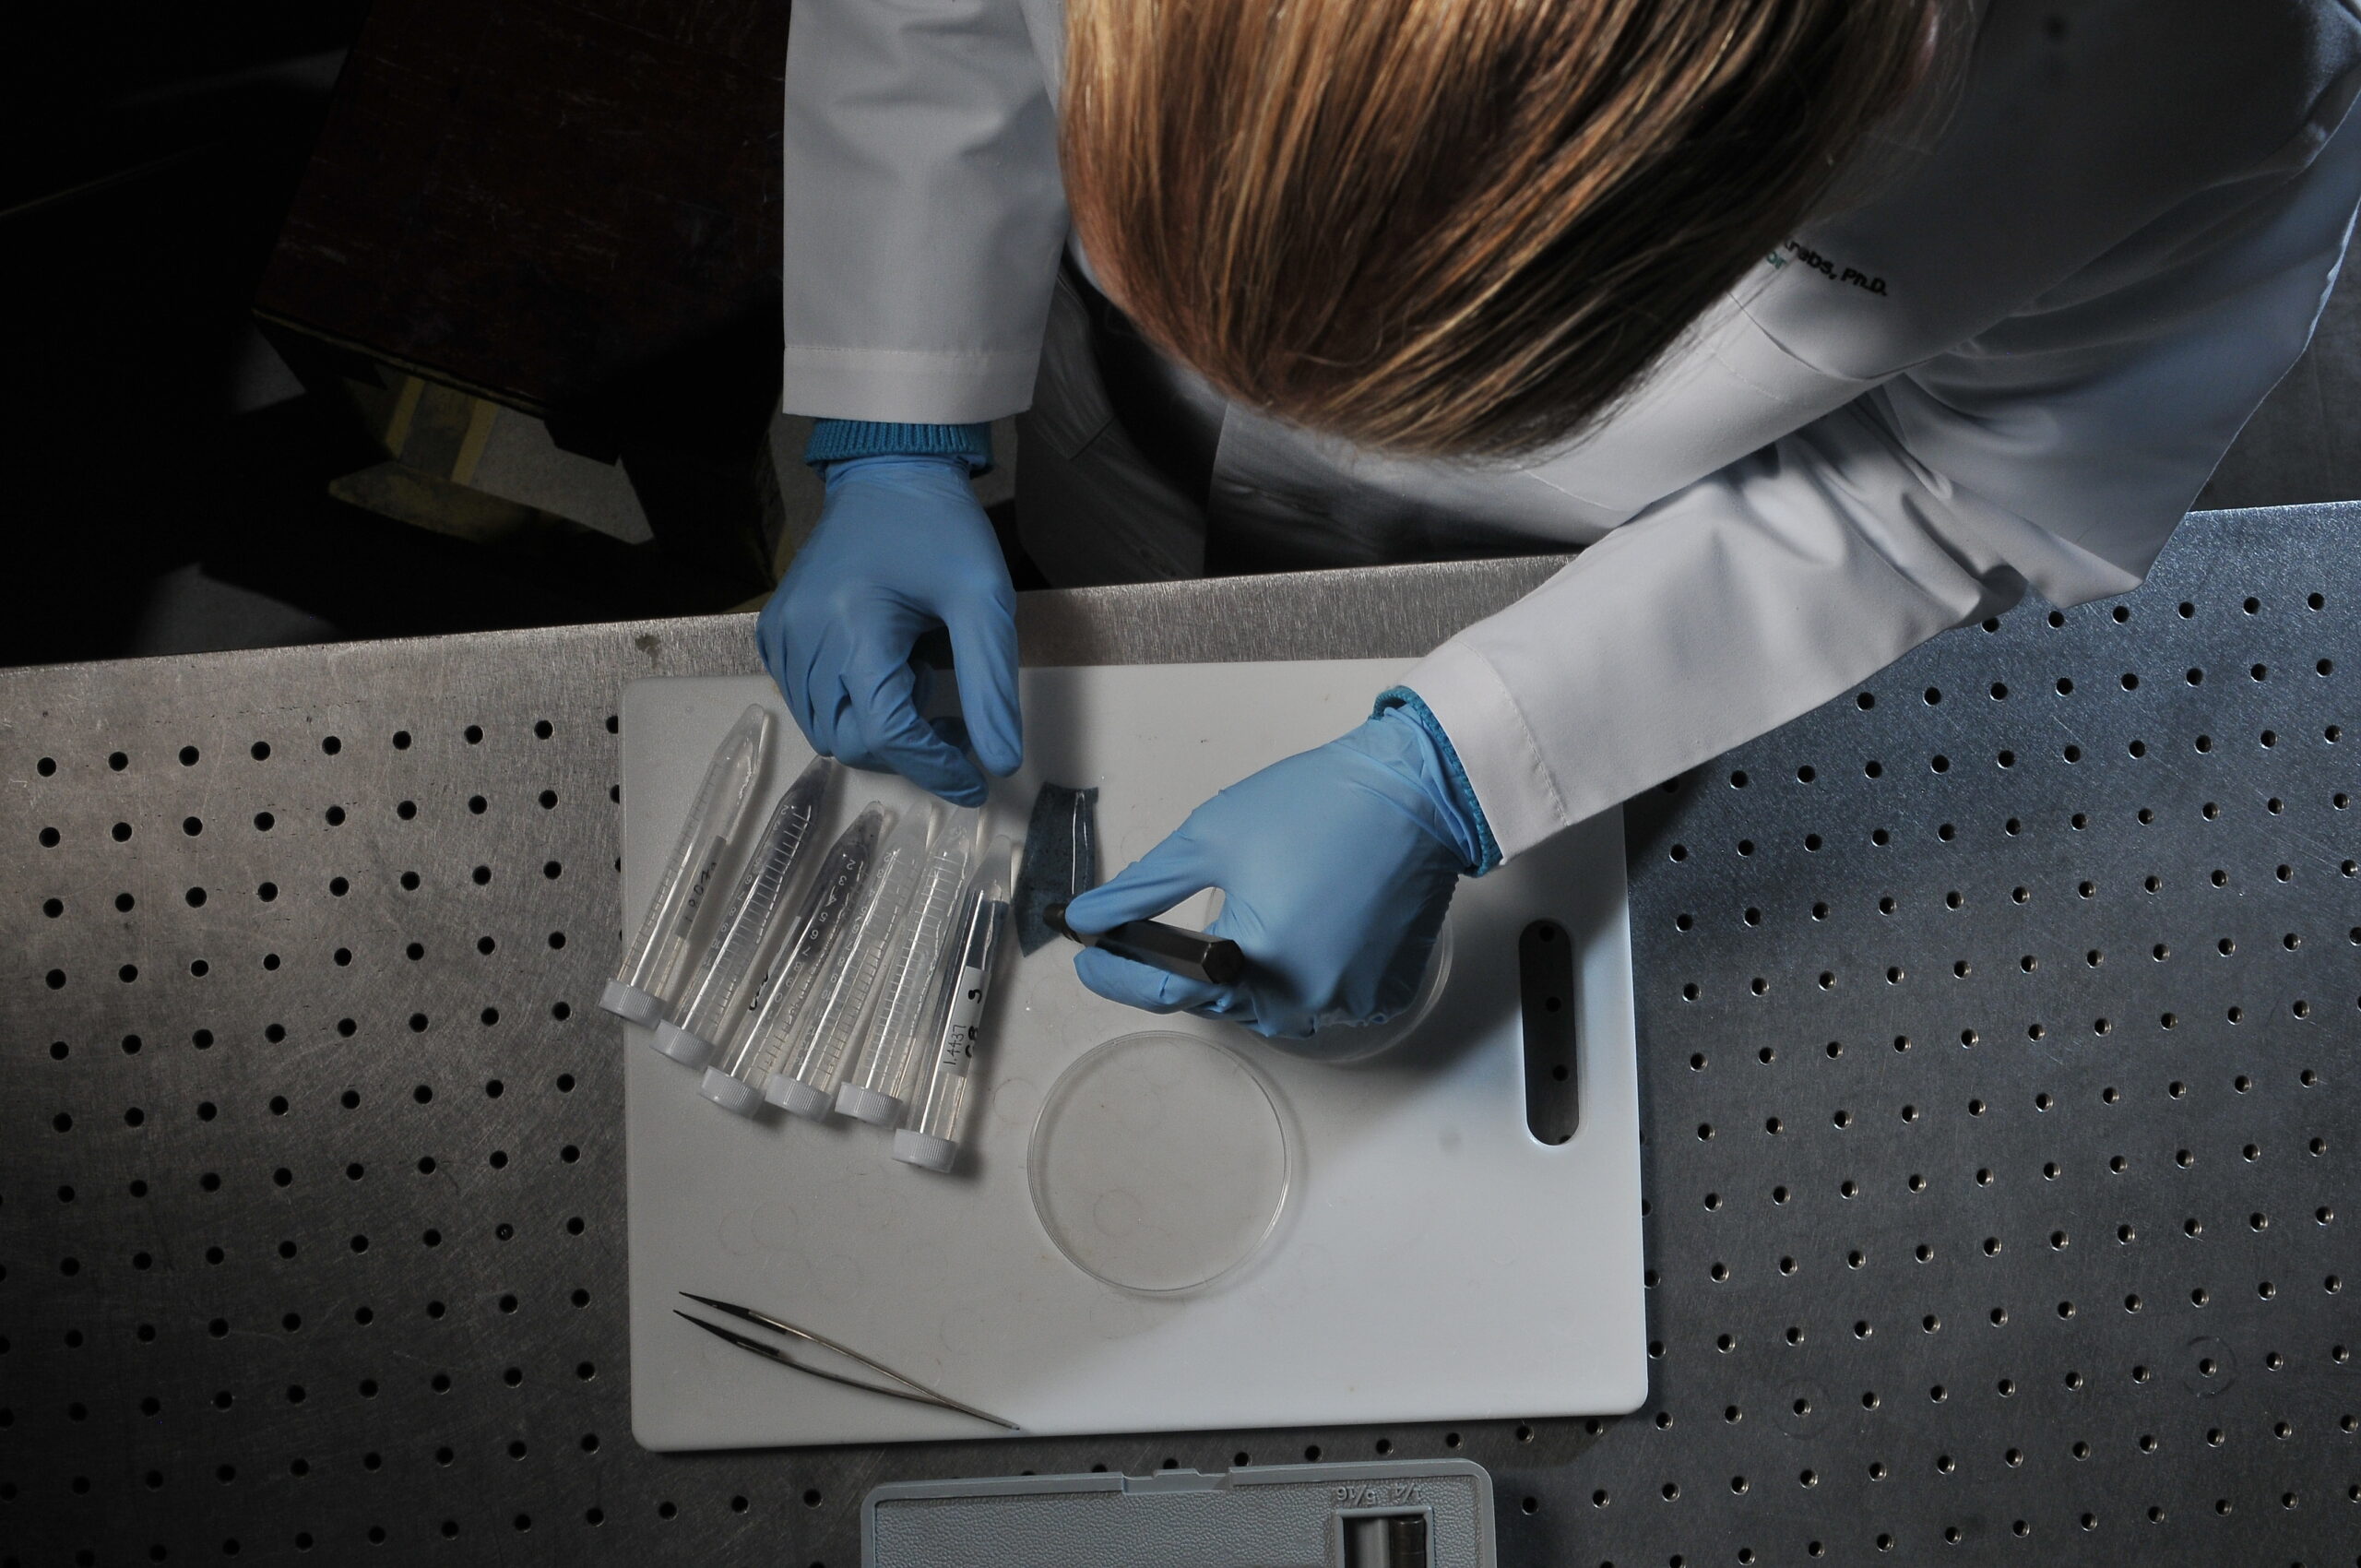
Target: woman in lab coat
1819, 326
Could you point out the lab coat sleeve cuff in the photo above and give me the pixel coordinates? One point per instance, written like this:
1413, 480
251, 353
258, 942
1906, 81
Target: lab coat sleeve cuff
1495, 752
1462, 802
840, 440
907, 385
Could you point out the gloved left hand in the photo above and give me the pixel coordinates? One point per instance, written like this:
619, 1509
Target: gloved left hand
1336, 867
902, 547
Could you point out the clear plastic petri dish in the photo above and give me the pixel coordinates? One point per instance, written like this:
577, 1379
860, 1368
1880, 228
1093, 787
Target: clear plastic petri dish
1160, 1162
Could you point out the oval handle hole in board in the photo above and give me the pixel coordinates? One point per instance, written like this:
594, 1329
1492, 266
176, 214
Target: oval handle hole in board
1544, 964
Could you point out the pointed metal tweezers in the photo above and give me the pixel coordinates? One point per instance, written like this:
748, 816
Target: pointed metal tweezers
917, 1392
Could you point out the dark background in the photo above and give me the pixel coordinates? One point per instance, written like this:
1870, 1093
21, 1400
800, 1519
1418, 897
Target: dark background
165, 475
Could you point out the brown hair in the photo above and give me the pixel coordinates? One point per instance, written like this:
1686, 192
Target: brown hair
1456, 227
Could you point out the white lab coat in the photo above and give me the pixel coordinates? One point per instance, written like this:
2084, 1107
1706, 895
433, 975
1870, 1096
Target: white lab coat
2016, 366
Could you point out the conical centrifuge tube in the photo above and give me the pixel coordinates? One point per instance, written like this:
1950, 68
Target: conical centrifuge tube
877, 1079
930, 1134
735, 1083
700, 1022
648, 982
827, 1025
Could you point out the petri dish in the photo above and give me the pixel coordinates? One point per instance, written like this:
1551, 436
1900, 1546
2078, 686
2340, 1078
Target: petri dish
1345, 1044
1160, 1162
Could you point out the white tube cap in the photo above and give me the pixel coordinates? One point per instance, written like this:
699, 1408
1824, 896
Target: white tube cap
688, 1050
793, 1095
914, 1148
632, 1004
731, 1094
865, 1104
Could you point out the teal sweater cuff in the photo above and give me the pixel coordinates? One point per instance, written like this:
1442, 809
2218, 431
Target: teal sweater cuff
1471, 810
839, 441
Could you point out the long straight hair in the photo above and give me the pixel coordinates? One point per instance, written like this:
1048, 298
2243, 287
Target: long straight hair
1458, 227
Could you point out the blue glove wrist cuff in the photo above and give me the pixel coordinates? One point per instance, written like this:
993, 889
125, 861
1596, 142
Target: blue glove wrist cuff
1410, 705
838, 441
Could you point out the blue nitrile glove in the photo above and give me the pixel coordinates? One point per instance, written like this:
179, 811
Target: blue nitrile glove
902, 547
1337, 866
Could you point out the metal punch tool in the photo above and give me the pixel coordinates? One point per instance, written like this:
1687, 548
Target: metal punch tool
916, 1392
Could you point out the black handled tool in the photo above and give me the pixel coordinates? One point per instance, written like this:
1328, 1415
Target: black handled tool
1174, 949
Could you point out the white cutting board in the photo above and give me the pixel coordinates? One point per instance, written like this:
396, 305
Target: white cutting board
1436, 1261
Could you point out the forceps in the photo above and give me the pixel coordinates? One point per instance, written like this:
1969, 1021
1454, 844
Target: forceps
916, 1392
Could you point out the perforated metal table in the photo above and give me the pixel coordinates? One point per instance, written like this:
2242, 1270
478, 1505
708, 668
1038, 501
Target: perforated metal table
1997, 1026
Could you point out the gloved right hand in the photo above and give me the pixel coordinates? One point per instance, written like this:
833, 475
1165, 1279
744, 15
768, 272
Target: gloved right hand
1337, 866
901, 547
